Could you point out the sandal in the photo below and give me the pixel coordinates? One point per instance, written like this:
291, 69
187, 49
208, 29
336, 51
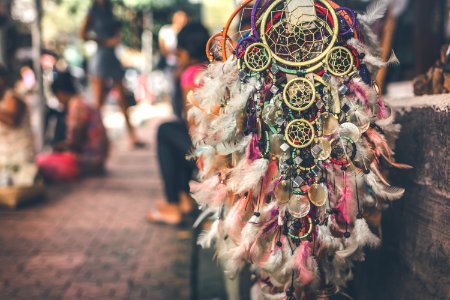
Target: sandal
156, 217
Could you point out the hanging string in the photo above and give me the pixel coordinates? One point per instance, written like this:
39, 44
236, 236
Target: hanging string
357, 197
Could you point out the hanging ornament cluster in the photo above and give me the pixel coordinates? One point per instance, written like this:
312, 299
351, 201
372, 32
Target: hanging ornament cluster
289, 134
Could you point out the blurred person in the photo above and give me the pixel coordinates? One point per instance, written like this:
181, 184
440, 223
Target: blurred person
168, 60
85, 148
9, 38
102, 27
16, 138
168, 38
173, 138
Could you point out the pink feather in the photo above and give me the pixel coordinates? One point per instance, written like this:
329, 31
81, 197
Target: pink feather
382, 113
208, 184
302, 255
381, 148
268, 179
235, 219
211, 191
378, 141
253, 152
343, 205
267, 251
220, 195
360, 90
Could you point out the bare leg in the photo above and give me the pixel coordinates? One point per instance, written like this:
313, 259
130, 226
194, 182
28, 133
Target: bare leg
98, 91
118, 85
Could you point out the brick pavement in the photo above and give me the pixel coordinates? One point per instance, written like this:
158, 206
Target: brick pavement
89, 240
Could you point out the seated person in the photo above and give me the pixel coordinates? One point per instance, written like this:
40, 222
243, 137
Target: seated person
17, 166
174, 142
85, 148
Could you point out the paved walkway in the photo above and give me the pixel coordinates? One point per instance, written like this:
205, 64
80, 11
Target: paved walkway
89, 240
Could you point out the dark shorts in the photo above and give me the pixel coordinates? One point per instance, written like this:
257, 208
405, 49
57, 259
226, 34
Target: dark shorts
106, 65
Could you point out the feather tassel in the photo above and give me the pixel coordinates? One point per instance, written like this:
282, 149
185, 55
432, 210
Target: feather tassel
343, 205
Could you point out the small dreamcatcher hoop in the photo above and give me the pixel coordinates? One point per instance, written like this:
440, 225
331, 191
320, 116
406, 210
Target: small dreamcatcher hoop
227, 27
349, 19
340, 61
299, 133
299, 229
257, 57
214, 50
302, 45
299, 94
343, 151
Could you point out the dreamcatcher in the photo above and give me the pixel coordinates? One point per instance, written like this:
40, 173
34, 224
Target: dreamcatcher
287, 132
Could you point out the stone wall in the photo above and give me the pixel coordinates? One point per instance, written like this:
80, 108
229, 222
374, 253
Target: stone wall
414, 260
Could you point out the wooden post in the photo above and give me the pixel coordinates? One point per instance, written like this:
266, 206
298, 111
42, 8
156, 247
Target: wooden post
386, 47
147, 41
36, 31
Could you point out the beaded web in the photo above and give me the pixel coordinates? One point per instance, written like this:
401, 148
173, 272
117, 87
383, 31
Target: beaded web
300, 44
300, 133
340, 61
257, 57
299, 94
344, 151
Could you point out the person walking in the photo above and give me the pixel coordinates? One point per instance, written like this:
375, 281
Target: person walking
102, 27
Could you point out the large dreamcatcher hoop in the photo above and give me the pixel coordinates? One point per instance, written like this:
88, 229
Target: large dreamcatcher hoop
305, 44
299, 133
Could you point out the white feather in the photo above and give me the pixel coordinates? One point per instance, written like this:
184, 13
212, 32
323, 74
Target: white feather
375, 11
370, 58
239, 98
363, 236
207, 212
203, 192
281, 214
348, 251
208, 155
279, 296
274, 262
223, 128
206, 238
236, 256
246, 177
376, 61
385, 192
227, 148
327, 240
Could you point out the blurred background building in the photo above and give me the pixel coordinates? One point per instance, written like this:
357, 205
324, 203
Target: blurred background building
421, 27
